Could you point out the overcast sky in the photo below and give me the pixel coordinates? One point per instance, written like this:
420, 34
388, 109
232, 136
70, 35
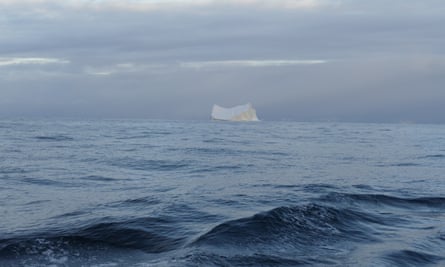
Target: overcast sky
304, 60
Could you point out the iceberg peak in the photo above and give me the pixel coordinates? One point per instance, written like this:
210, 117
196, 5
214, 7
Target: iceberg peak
238, 113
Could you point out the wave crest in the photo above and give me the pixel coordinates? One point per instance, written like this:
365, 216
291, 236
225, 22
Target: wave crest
309, 224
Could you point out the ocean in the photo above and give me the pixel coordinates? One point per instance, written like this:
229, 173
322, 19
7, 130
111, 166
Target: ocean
204, 193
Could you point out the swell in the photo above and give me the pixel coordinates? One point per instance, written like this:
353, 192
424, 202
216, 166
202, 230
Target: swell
47, 182
412, 258
434, 156
145, 135
256, 259
316, 234
59, 137
151, 235
149, 164
296, 227
12, 170
381, 199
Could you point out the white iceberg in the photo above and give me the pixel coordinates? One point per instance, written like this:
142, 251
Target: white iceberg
238, 113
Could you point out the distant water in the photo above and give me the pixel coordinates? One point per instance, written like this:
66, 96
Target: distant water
166, 193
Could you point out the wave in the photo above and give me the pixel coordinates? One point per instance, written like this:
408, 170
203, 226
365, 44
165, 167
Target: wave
149, 165
312, 234
256, 259
99, 178
145, 135
54, 138
380, 199
442, 235
212, 151
319, 188
12, 170
434, 156
412, 258
399, 164
296, 227
151, 235
47, 182
142, 201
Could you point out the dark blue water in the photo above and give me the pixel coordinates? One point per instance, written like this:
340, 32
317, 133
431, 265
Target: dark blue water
165, 193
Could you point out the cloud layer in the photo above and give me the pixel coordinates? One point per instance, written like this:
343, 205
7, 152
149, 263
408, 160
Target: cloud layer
154, 5
30, 61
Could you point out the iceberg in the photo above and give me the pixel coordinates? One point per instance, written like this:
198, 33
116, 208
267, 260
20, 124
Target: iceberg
238, 113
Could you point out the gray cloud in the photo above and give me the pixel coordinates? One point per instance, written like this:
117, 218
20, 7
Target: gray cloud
303, 60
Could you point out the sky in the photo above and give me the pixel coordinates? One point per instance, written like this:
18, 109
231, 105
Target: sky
303, 60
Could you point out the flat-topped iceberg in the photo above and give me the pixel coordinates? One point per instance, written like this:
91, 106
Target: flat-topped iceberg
238, 113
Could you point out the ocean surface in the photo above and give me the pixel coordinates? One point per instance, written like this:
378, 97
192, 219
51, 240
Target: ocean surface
202, 193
